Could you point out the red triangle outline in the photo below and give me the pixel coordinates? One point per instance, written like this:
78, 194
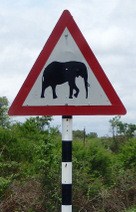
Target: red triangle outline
116, 107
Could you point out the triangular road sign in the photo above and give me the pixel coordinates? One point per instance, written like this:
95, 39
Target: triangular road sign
66, 78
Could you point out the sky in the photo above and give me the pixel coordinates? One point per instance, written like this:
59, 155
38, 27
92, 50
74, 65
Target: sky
109, 27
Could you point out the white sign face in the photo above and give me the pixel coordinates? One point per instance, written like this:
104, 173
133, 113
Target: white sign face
58, 87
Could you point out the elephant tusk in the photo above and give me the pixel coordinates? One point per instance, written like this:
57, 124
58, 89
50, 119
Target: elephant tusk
88, 84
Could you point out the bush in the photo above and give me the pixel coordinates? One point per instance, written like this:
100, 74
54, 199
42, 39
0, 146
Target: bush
128, 154
9, 168
49, 164
30, 165
100, 162
131, 209
23, 197
4, 183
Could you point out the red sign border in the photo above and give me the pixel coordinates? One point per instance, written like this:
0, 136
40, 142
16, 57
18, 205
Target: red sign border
116, 107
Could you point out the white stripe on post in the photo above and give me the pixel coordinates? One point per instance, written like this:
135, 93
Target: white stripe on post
66, 164
66, 128
66, 208
67, 173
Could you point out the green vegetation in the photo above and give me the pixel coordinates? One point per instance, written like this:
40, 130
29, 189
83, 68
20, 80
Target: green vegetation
104, 169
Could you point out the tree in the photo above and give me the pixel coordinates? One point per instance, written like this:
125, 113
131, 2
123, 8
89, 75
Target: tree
130, 132
37, 123
78, 134
120, 128
4, 118
114, 125
92, 135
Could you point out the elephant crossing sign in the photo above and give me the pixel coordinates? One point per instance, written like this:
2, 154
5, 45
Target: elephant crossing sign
57, 73
67, 79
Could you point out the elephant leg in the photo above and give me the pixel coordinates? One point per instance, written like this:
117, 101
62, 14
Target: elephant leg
54, 92
44, 86
73, 87
77, 91
71, 90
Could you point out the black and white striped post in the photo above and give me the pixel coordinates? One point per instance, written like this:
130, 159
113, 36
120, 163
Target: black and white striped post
66, 164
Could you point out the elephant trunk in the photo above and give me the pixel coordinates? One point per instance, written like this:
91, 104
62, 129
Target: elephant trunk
86, 85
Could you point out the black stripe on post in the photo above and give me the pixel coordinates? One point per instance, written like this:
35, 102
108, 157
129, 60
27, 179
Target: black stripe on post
66, 194
66, 151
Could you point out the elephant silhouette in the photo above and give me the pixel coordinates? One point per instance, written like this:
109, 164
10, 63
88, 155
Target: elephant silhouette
57, 73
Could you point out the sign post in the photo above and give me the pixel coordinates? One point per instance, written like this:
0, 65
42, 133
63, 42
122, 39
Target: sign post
66, 164
67, 80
